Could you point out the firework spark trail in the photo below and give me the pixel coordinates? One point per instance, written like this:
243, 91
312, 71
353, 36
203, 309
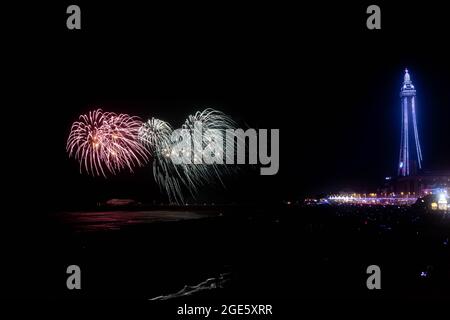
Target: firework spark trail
156, 134
106, 142
211, 119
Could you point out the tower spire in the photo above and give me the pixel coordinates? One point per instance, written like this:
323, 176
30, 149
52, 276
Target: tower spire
407, 78
410, 159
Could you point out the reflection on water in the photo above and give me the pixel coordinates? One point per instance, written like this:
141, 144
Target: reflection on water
115, 220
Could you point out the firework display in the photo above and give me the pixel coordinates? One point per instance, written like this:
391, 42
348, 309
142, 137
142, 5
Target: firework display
105, 143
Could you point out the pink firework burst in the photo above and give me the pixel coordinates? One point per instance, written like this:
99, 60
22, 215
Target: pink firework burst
106, 142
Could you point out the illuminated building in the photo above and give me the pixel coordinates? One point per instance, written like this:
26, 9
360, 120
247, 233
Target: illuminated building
442, 202
427, 182
410, 151
412, 179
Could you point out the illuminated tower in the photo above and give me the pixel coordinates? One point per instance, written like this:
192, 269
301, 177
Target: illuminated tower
410, 151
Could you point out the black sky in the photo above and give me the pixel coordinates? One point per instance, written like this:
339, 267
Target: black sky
314, 71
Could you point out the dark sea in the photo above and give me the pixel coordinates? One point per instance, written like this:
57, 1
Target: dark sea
235, 253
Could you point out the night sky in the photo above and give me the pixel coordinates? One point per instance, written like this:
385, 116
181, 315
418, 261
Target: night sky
314, 71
